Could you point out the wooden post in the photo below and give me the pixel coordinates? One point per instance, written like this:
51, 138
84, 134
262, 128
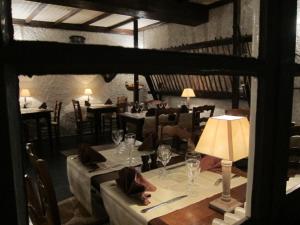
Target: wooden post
136, 45
236, 51
13, 196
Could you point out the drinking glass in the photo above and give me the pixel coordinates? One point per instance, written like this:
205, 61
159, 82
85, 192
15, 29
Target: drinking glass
136, 106
164, 154
117, 136
141, 107
130, 141
192, 160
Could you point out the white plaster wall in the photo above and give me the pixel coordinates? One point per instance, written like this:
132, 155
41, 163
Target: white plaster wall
64, 88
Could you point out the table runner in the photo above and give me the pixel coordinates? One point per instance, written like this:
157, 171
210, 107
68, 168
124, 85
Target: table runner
79, 176
124, 210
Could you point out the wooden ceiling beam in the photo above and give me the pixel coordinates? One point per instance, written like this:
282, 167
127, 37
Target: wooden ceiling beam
68, 15
35, 12
68, 26
219, 4
130, 20
97, 18
171, 11
60, 58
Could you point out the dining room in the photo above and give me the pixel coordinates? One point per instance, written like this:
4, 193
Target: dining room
169, 112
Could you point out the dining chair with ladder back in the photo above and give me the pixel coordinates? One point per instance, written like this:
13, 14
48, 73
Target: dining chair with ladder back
83, 125
42, 205
164, 117
200, 116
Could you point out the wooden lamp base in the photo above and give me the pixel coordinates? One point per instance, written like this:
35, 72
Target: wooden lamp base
224, 206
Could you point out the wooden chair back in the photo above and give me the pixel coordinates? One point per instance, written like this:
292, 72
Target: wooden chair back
77, 110
238, 112
47, 205
169, 112
56, 113
198, 121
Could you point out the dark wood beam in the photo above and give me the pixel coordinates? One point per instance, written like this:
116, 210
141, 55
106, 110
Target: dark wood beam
68, 15
35, 12
219, 4
170, 11
68, 26
130, 20
63, 59
97, 18
136, 45
151, 26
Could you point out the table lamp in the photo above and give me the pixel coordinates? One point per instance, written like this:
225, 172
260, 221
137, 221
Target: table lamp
25, 93
188, 93
225, 137
88, 92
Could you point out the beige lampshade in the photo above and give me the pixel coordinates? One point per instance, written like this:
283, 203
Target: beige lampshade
225, 137
88, 91
188, 92
25, 93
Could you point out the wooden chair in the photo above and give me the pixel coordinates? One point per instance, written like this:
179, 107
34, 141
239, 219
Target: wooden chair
82, 124
43, 207
294, 149
164, 117
238, 112
199, 121
56, 121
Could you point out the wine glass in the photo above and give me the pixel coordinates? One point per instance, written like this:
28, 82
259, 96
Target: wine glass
164, 154
117, 136
141, 107
192, 160
136, 106
130, 141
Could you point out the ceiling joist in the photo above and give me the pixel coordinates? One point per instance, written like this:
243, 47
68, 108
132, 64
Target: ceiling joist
35, 12
170, 11
68, 26
68, 15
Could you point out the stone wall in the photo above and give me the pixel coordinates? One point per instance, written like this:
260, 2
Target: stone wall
67, 87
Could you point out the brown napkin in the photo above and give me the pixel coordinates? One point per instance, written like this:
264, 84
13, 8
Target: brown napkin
89, 156
135, 185
43, 106
108, 102
210, 163
149, 143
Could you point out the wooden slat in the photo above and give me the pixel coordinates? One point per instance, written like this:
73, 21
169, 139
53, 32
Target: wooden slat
35, 12
130, 20
97, 18
68, 15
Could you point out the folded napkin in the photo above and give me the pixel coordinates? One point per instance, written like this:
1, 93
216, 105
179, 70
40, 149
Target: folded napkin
210, 163
184, 109
133, 184
88, 156
43, 106
151, 112
108, 102
149, 143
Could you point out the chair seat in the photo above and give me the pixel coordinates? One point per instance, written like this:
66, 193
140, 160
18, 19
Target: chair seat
72, 213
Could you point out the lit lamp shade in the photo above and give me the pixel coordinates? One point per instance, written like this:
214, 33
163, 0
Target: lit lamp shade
188, 92
225, 137
88, 91
25, 93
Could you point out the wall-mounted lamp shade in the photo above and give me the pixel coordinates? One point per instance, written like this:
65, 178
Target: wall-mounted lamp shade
25, 93
225, 137
88, 91
188, 92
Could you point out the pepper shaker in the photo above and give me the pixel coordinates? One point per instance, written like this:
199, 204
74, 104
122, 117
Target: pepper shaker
153, 163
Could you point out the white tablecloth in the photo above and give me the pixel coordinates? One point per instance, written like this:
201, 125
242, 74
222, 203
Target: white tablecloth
124, 210
80, 178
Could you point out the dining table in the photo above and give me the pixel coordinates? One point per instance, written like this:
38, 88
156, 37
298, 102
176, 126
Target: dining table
37, 114
188, 210
136, 119
97, 109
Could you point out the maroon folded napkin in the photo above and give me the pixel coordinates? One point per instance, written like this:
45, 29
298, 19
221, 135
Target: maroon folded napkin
43, 106
108, 102
88, 156
133, 184
210, 163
